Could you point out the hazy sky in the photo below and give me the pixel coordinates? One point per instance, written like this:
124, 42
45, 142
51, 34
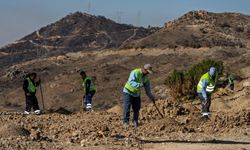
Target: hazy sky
21, 17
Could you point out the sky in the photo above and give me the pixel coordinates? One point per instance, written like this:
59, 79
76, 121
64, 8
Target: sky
21, 17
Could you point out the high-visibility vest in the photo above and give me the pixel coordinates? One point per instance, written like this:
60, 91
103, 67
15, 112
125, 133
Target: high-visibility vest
210, 86
31, 86
139, 79
231, 80
92, 86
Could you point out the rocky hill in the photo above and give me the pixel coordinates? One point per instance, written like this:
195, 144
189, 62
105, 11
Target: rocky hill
81, 32
65, 126
200, 29
75, 32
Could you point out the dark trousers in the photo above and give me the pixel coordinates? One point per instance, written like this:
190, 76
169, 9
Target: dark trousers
129, 101
88, 97
205, 104
31, 102
231, 87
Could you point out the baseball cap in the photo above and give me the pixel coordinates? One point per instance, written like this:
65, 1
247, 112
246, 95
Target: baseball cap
212, 71
148, 67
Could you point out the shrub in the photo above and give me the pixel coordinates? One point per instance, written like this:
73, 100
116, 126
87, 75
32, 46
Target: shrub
183, 83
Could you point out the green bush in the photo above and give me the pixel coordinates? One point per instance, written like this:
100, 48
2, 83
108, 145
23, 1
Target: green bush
183, 83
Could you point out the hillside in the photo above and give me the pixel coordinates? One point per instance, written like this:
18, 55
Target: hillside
200, 29
84, 32
58, 52
75, 32
61, 79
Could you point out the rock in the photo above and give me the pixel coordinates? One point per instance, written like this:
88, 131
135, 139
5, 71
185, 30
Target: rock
35, 134
162, 127
246, 83
83, 143
75, 133
116, 109
56, 78
61, 58
53, 85
70, 141
245, 72
184, 121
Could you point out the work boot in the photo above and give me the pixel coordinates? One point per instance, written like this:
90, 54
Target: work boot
88, 109
136, 124
37, 112
205, 118
26, 113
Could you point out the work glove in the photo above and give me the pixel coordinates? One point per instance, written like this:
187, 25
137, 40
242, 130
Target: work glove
28, 94
141, 84
205, 98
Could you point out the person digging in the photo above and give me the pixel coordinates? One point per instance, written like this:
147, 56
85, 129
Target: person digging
138, 78
205, 88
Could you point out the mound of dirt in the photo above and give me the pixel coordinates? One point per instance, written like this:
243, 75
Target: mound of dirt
116, 110
61, 111
12, 129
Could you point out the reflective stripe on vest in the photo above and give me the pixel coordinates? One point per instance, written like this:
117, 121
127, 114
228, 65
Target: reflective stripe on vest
88, 106
139, 79
92, 86
211, 85
31, 86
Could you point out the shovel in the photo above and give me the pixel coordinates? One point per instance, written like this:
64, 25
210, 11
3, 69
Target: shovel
158, 109
41, 90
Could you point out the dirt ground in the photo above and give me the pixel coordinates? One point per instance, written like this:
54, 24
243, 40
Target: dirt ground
187, 146
181, 127
64, 126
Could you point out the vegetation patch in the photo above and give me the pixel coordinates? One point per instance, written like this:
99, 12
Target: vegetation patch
183, 83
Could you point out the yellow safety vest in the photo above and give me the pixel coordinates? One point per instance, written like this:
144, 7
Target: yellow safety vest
31, 86
139, 79
211, 84
92, 86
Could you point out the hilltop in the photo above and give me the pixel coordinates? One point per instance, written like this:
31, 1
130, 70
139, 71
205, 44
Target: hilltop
83, 32
200, 29
75, 32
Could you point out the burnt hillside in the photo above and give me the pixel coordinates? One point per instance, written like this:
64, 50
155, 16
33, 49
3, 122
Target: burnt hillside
75, 32
200, 29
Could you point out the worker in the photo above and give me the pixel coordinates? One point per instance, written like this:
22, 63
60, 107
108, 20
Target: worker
231, 83
205, 87
29, 87
138, 78
88, 90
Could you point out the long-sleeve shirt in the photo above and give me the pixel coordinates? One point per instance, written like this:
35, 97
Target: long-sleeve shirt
132, 82
203, 90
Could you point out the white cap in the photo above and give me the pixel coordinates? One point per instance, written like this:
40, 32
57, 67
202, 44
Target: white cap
148, 67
